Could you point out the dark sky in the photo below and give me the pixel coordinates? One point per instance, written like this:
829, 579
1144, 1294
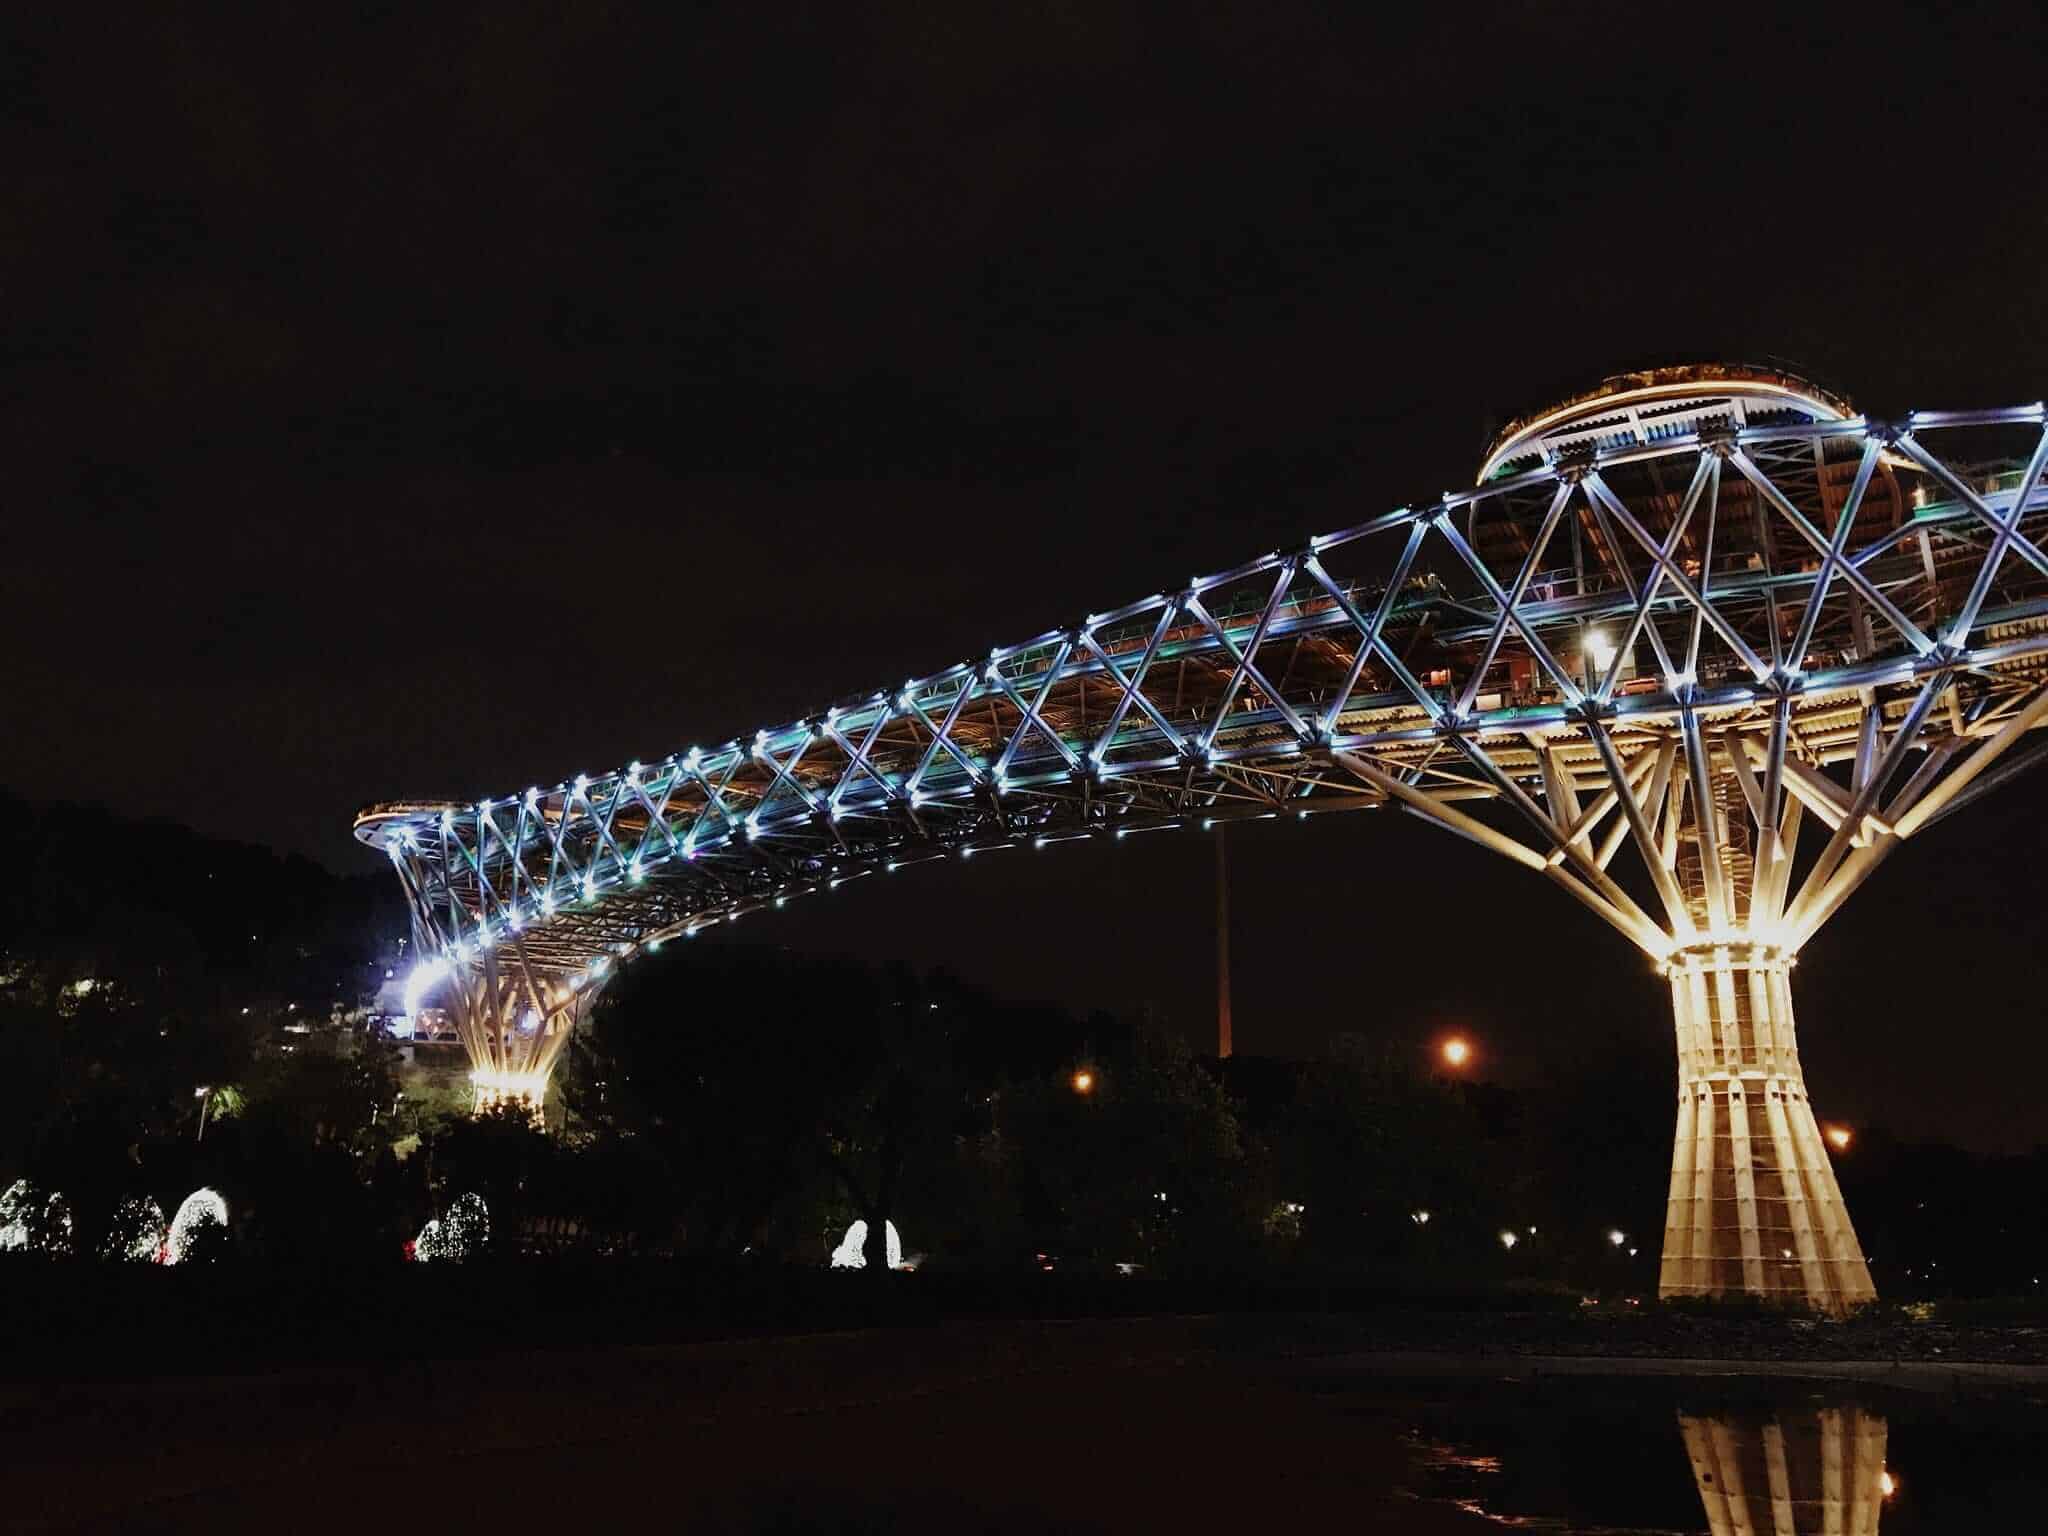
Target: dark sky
474, 395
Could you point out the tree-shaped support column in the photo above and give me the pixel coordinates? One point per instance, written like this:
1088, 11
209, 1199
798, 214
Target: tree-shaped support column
1754, 1206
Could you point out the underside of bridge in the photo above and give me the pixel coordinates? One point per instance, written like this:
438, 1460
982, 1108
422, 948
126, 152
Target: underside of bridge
1701, 648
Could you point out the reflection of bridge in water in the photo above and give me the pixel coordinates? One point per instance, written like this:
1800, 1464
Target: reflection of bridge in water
1701, 648
1818, 1470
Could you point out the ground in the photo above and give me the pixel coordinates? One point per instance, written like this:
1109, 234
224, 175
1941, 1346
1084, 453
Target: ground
1015, 1427
1217, 1422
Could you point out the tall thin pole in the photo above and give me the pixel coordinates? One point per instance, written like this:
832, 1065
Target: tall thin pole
1222, 947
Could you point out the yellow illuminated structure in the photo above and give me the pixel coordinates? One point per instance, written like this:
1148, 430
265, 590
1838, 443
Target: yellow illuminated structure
1813, 1473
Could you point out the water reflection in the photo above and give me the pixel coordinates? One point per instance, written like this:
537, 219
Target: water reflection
1726, 1456
1820, 1470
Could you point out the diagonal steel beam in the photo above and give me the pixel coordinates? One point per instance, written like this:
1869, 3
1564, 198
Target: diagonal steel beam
1830, 557
1606, 497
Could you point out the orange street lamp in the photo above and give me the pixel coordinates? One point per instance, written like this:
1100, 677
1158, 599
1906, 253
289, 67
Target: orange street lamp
1084, 1081
1456, 1051
1839, 1137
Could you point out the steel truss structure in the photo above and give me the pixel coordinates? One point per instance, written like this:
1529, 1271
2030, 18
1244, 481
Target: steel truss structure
1701, 649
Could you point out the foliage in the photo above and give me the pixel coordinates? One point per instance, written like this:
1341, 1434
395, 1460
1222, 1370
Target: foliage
1148, 1166
199, 1232
464, 1233
34, 1220
137, 1232
1366, 1144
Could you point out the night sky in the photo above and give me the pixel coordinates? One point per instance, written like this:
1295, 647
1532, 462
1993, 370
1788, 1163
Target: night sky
481, 394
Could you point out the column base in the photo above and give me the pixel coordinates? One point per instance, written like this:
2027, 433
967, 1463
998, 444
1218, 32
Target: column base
494, 1088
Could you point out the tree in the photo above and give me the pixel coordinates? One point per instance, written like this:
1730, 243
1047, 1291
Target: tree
1368, 1143
1148, 1165
751, 1073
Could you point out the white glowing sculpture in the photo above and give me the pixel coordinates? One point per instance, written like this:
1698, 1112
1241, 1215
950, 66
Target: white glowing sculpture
202, 1211
32, 1222
460, 1235
850, 1254
136, 1234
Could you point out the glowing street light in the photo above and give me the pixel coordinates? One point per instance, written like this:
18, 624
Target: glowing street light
1084, 1081
1457, 1051
1886, 1483
1839, 1137
1617, 1237
1599, 650
1508, 1239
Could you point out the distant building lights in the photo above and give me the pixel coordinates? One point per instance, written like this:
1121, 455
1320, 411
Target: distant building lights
1508, 1239
1420, 1218
1617, 1237
1084, 1082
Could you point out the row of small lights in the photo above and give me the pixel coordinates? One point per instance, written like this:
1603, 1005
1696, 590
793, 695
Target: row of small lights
1597, 645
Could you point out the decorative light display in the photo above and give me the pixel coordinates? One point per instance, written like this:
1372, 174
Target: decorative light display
33, 1221
1708, 622
137, 1233
202, 1214
851, 1252
462, 1234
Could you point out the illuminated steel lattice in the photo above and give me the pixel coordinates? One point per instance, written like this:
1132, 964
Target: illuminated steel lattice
1701, 648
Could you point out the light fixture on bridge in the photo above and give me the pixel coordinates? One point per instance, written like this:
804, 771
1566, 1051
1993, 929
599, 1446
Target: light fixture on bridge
1600, 650
425, 977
